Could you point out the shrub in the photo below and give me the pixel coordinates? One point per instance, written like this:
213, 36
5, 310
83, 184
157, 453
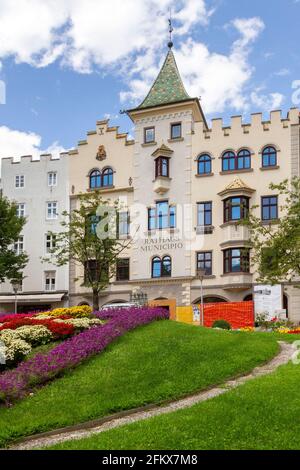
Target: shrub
222, 324
14, 349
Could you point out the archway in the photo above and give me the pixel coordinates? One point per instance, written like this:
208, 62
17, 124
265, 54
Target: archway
248, 298
211, 300
83, 304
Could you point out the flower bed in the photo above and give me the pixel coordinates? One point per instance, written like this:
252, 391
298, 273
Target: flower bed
44, 367
19, 333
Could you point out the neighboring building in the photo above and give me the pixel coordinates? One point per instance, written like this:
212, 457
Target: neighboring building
186, 187
41, 191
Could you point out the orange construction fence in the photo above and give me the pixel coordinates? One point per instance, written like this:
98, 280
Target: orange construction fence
238, 314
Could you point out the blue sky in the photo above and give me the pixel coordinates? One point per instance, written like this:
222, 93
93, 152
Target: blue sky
67, 63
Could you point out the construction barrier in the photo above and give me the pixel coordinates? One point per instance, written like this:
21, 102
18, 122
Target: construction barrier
238, 314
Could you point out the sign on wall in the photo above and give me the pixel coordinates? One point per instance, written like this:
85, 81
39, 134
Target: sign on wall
268, 300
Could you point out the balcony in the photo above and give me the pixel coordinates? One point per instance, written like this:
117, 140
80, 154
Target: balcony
234, 234
237, 281
162, 185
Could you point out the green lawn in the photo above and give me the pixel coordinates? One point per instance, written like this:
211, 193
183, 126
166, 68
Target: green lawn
157, 362
263, 414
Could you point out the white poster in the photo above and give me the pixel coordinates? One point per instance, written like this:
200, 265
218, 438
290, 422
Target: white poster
268, 300
196, 313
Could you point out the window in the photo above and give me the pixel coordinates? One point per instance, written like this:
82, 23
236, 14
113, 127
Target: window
21, 210
269, 208
269, 157
204, 165
204, 261
161, 267
204, 214
123, 224
236, 260
232, 162
95, 179
162, 217
244, 160
236, 208
123, 269
19, 246
149, 135
161, 167
50, 242
228, 161
20, 181
52, 179
107, 177
176, 130
52, 210
50, 281
93, 271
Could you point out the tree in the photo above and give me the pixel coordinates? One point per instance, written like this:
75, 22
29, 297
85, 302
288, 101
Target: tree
276, 247
90, 241
11, 263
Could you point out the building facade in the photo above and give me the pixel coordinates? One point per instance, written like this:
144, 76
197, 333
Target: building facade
184, 187
41, 190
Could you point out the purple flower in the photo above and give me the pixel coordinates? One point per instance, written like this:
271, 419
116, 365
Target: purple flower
43, 367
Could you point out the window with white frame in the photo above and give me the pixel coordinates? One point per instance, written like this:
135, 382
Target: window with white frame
19, 246
50, 242
20, 181
52, 210
50, 281
21, 212
52, 178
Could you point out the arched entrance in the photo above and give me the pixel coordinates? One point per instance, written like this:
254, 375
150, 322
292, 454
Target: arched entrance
248, 298
211, 300
286, 304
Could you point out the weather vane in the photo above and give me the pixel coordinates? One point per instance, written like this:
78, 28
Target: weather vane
170, 44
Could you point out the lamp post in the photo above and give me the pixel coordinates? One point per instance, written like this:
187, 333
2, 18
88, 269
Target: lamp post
16, 285
200, 275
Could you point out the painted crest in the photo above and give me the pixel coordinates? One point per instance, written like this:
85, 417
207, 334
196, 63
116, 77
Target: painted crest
101, 154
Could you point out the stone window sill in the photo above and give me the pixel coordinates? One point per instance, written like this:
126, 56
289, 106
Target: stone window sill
205, 175
267, 168
241, 273
149, 144
178, 139
232, 172
270, 222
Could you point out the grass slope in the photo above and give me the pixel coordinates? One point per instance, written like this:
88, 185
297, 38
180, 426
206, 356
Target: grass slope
262, 415
160, 361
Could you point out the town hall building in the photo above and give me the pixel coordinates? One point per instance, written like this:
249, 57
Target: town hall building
184, 187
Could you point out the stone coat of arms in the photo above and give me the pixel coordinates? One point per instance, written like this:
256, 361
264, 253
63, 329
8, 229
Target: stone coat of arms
101, 154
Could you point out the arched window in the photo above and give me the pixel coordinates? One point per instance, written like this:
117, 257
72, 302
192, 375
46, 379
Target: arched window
228, 161
166, 270
156, 267
161, 267
269, 157
204, 165
95, 179
107, 177
244, 159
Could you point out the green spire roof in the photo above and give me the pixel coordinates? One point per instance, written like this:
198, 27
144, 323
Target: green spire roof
168, 87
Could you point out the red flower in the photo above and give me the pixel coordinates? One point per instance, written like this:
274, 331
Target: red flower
57, 329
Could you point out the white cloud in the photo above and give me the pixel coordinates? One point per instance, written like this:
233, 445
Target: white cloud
14, 143
266, 102
282, 72
218, 78
84, 33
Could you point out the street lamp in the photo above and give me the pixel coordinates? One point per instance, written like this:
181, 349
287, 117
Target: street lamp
201, 275
16, 285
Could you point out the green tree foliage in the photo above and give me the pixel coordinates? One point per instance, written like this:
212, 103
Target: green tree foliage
276, 246
90, 241
11, 263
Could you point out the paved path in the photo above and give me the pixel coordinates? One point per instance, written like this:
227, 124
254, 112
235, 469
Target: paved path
127, 417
